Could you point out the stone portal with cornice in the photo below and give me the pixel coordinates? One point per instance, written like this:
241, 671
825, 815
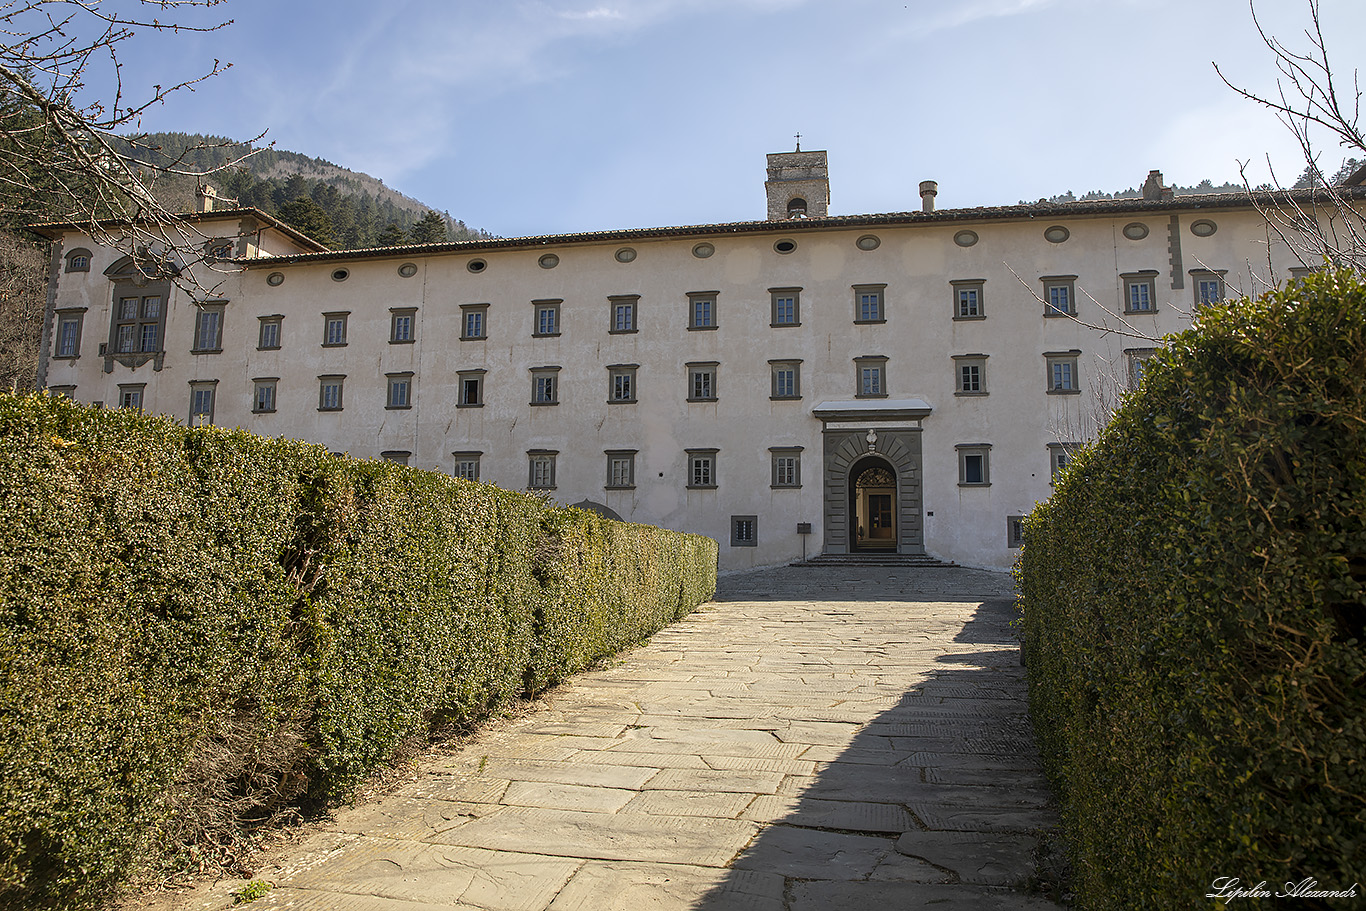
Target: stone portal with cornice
872, 454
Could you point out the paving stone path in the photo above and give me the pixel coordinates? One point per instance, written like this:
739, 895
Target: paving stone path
816, 738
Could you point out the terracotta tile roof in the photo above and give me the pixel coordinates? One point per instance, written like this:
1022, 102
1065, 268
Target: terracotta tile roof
981, 214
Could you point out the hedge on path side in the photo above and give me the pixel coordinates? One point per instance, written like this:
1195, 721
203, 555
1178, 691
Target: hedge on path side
1194, 598
200, 627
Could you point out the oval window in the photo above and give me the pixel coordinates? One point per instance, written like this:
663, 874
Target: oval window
476, 265
1056, 234
408, 270
275, 279
1203, 228
868, 242
1135, 230
702, 251
626, 255
785, 246
965, 238
549, 261
340, 275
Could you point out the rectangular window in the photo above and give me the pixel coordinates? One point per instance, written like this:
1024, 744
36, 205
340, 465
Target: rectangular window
1059, 295
1137, 359
401, 325
400, 390
541, 469
785, 306
69, 324
130, 396
621, 384
208, 329
973, 464
547, 314
268, 338
1140, 291
621, 469
473, 321
968, 299
744, 531
870, 376
623, 312
702, 309
970, 374
137, 325
787, 379
1059, 455
787, 466
334, 329
397, 456
263, 394
471, 389
868, 304
466, 465
702, 467
1014, 531
702, 381
202, 402
1209, 286
545, 386
330, 393
1062, 372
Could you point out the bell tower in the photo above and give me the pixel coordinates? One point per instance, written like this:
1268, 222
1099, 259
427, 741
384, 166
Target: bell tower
798, 185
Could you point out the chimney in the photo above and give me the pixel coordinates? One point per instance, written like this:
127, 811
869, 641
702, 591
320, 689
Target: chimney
204, 197
1153, 188
929, 189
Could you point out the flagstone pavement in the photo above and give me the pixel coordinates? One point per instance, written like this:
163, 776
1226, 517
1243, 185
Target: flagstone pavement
815, 738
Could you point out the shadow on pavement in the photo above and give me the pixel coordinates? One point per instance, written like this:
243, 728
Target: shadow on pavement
937, 801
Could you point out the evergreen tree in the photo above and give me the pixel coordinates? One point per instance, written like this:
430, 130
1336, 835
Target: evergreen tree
307, 216
391, 236
430, 230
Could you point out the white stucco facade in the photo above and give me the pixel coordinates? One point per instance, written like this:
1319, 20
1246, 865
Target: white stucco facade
702, 434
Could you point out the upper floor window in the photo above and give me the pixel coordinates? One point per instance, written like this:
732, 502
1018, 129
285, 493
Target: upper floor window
208, 329
474, 321
870, 376
545, 385
471, 388
547, 315
1140, 291
330, 392
1059, 456
621, 383
623, 311
78, 260
1138, 361
968, 298
702, 467
1209, 286
334, 328
702, 309
970, 374
1062, 371
869, 304
621, 469
400, 394
702, 381
1059, 295
263, 394
786, 379
130, 396
268, 337
541, 469
466, 465
402, 325
974, 464
70, 321
202, 394
785, 307
138, 321
786, 464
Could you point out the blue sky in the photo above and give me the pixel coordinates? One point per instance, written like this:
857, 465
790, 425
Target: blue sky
547, 116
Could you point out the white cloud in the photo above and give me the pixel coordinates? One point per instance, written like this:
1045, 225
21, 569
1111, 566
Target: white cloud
957, 15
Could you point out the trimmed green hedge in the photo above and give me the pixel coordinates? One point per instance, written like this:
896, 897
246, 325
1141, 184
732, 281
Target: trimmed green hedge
202, 626
1194, 598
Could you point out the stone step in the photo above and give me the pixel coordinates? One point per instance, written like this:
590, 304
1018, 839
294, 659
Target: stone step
871, 559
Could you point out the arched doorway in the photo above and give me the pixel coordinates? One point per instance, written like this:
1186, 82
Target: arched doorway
873, 505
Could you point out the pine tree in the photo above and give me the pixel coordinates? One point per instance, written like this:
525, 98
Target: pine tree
430, 230
307, 216
391, 236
